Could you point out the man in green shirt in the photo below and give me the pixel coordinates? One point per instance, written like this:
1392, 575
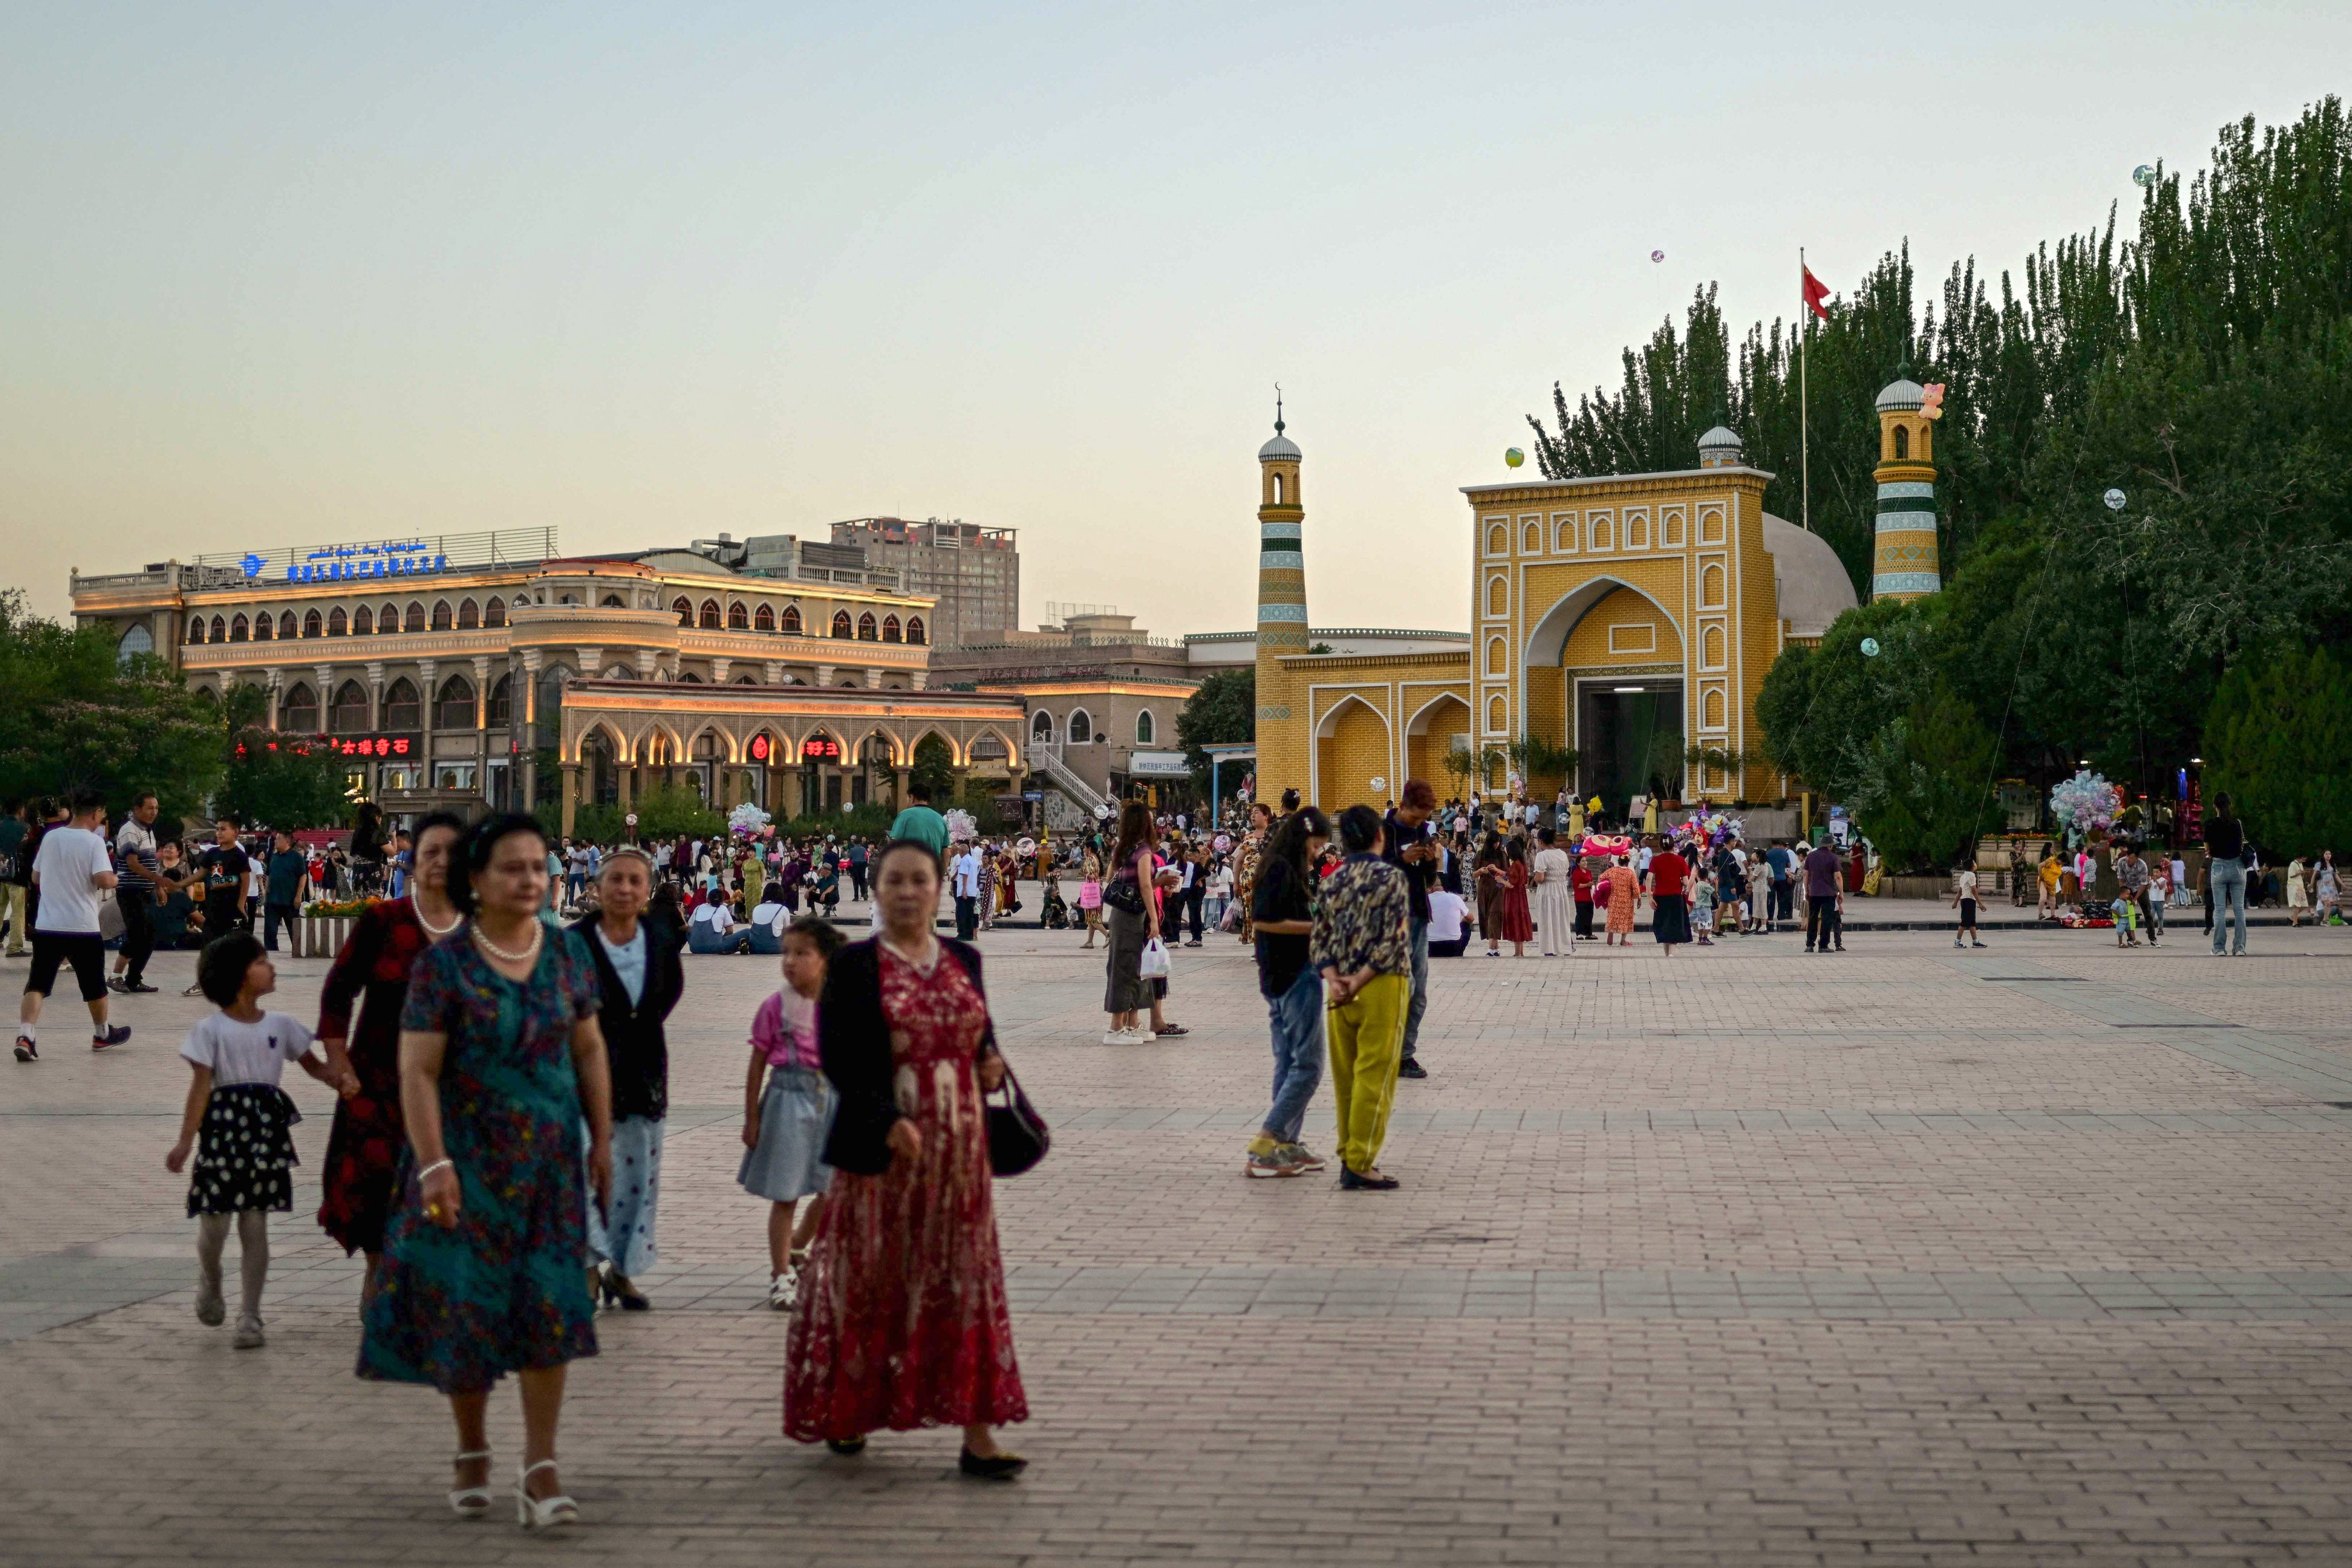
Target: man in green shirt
919, 823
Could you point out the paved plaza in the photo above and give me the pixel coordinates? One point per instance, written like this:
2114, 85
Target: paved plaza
2034, 1254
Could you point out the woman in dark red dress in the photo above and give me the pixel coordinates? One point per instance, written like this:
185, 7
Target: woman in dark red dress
361, 1178
902, 1320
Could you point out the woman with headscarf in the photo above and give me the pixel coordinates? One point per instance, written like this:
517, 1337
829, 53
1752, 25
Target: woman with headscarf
903, 1320
360, 1180
639, 978
502, 1066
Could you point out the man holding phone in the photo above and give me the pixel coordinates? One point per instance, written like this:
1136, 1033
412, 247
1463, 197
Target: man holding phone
1410, 845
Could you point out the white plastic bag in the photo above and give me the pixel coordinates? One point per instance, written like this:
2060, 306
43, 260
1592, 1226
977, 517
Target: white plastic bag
1154, 965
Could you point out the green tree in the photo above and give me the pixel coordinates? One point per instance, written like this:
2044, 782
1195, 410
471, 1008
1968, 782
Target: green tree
75, 717
1223, 712
2276, 740
282, 781
1927, 793
934, 768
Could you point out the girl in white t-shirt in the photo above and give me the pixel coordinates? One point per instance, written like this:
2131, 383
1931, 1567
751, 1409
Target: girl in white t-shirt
239, 1122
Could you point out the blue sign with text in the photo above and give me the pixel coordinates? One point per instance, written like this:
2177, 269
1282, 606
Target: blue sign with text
409, 558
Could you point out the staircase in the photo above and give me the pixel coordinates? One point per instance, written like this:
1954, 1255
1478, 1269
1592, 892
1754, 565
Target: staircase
1046, 758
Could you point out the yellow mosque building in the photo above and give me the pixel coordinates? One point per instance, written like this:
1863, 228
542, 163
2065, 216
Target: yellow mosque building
1628, 618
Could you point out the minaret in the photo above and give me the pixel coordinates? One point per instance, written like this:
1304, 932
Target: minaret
1281, 607
1905, 565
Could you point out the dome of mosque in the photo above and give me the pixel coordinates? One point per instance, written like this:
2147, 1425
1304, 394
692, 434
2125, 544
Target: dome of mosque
1719, 449
1901, 393
1280, 449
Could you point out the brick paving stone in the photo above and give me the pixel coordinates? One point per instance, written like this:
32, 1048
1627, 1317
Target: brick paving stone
1907, 1256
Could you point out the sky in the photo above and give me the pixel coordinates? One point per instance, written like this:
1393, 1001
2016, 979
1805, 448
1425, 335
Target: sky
274, 275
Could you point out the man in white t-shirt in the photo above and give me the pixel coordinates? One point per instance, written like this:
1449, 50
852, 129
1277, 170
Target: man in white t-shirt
1964, 894
1446, 937
964, 877
73, 869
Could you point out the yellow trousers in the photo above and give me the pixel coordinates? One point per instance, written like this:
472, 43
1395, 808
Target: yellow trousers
1367, 1035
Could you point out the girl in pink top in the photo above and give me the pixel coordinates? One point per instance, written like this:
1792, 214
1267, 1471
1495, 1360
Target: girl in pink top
788, 1106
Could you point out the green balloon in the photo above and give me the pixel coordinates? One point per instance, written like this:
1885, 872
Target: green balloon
1513, 457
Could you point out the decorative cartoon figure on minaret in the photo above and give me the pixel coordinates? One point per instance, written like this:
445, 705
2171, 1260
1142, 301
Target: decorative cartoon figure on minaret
1281, 571
1905, 564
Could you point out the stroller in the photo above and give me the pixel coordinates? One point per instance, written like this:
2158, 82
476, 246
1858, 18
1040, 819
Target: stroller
1056, 913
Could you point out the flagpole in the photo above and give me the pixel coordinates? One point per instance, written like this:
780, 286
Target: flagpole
1804, 399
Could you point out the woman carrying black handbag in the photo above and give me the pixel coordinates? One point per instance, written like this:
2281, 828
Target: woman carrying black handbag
903, 1321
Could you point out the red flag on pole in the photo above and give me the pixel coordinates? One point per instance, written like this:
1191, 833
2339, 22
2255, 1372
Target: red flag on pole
1815, 292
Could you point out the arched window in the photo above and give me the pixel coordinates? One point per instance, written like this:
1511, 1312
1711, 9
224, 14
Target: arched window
1901, 443
1498, 540
1277, 489
890, 632
738, 619
1498, 715
866, 629
363, 622
684, 609
1711, 649
791, 622
1498, 596
841, 623
914, 633
552, 682
453, 708
1711, 710
745, 680
195, 628
611, 602
494, 614
1080, 729
688, 678
336, 624
403, 709
441, 617
763, 619
1498, 660
298, 710
502, 702
469, 614
1144, 728
313, 625
1531, 539
348, 716
237, 629
416, 618
1041, 728
710, 614
263, 628
1710, 585
388, 620
220, 629
134, 642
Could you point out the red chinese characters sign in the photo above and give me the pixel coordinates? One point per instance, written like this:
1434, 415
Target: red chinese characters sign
823, 748
358, 746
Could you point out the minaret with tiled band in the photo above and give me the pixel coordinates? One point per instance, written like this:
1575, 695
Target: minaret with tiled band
1281, 597
1905, 565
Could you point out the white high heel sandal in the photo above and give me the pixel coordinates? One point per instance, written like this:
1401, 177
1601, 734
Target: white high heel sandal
471, 1502
542, 1513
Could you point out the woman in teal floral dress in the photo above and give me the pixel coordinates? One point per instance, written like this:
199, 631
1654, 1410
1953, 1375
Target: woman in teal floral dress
500, 1061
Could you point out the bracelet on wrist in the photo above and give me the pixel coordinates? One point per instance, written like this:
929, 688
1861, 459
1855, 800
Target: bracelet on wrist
442, 1164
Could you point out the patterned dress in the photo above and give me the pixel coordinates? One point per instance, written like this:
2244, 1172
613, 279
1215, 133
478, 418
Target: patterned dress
1245, 859
364, 1149
505, 1290
1622, 887
902, 1320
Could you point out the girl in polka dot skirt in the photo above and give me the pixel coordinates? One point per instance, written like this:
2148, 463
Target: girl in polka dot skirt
240, 1124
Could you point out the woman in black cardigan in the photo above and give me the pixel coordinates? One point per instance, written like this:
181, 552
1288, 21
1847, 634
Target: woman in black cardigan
903, 1321
637, 965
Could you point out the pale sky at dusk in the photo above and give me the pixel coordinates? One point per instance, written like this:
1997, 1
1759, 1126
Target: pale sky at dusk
273, 275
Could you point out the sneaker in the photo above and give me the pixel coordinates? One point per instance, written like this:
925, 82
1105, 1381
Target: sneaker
210, 1307
115, 983
1118, 1037
137, 988
1303, 1157
785, 1290
194, 991
114, 1036
248, 1333
1973, 943
1260, 1167
26, 1051
1411, 1069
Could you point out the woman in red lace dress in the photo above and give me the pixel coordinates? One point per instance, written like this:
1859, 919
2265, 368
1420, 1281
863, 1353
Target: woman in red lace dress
360, 1178
902, 1320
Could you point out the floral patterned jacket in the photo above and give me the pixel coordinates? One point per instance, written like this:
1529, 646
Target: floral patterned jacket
1360, 920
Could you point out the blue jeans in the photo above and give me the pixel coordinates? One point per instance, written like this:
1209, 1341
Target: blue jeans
2225, 890
1298, 1018
1420, 1003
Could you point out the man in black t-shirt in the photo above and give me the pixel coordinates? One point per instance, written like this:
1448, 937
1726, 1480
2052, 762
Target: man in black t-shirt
225, 868
1410, 844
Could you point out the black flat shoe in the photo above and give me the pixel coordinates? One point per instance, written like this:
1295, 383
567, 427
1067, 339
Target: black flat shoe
629, 1299
1412, 1069
995, 1467
1351, 1181
850, 1448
